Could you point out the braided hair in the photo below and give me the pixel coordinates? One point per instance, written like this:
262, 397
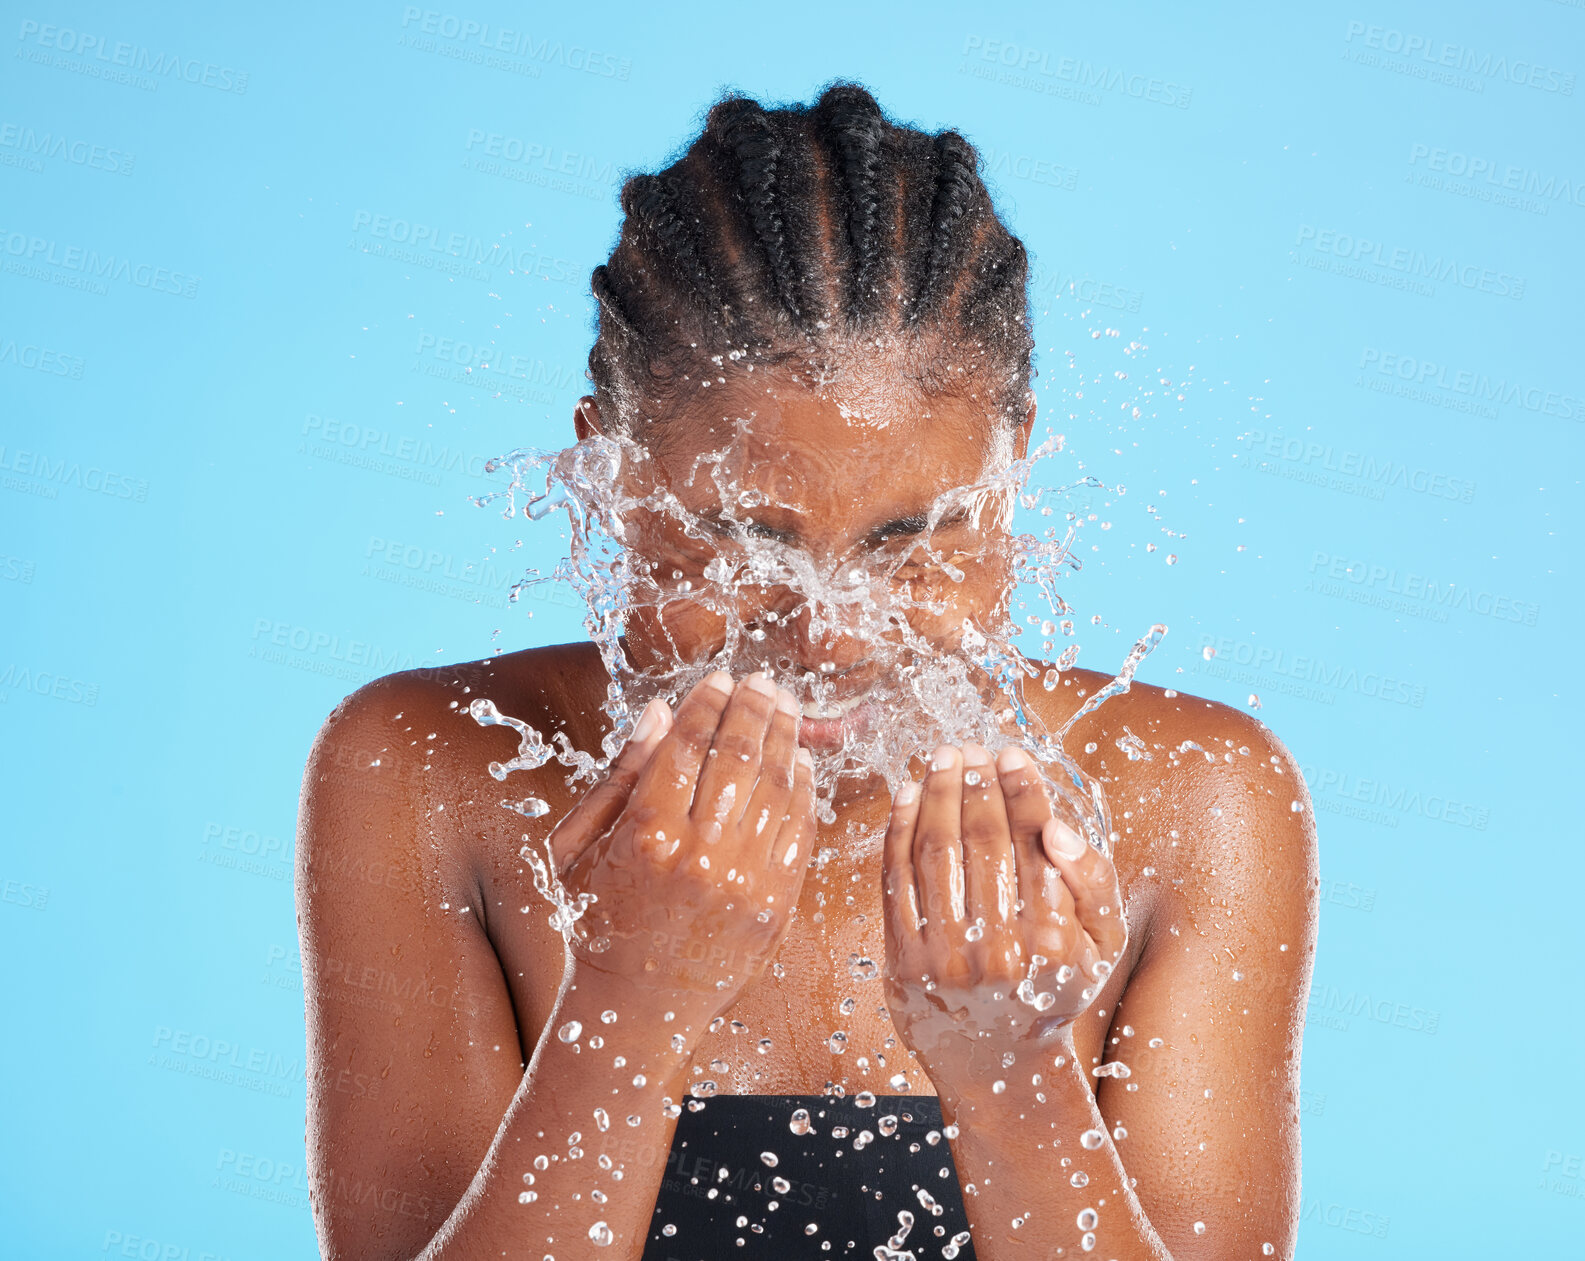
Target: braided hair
804, 234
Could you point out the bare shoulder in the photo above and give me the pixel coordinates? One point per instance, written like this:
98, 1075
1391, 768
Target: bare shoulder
390, 731
400, 752
1207, 803
416, 1039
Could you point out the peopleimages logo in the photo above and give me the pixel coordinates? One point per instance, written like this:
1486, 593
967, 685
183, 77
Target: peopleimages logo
1401, 799
52, 363
1343, 469
122, 62
1375, 579
1074, 77
1440, 55
1497, 174
460, 253
472, 40
25, 254
1401, 266
1409, 376
1315, 671
34, 146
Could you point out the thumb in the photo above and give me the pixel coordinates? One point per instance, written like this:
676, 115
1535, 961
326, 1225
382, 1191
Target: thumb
593, 817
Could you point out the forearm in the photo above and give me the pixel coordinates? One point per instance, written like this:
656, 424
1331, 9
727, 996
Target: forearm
1019, 1155
584, 1142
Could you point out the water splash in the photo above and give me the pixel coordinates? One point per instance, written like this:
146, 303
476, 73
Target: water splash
928, 686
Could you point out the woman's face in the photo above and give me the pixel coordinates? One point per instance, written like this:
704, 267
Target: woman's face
829, 534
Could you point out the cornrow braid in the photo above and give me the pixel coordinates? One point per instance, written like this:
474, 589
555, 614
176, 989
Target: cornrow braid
850, 124
786, 233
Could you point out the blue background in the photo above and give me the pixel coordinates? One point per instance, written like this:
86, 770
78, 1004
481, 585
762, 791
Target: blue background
236, 469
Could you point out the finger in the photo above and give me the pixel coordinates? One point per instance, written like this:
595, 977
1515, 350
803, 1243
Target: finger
667, 782
1028, 808
989, 875
594, 815
899, 891
937, 846
1092, 880
733, 761
794, 841
767, 803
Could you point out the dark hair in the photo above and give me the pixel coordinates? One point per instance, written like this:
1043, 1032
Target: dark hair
804, 233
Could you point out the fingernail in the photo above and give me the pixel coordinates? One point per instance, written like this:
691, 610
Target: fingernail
1012, 758
907, 794
648, 721
945, 758
720, 680
806, 759
786, 701
976, 755
760, 682
1060, 837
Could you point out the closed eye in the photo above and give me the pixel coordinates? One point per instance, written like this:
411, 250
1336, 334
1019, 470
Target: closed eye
737, 529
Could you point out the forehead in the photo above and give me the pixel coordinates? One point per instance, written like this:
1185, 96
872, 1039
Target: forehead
863, 445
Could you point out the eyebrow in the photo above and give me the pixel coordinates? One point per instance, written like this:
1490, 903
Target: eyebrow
915, 524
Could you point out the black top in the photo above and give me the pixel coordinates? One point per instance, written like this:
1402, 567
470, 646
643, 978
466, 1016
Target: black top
721, 1199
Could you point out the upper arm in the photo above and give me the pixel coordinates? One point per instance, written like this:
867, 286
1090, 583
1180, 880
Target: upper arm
1211, 1113
413, 1050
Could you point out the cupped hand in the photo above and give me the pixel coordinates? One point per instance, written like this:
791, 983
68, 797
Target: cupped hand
1002, 923
691, 854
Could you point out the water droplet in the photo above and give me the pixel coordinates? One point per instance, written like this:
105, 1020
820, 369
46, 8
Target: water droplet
1079, 1179
769, 1158
570, 1031
601, 1234
1199, 1228
799, 1124
1091, 1139
1088, 1219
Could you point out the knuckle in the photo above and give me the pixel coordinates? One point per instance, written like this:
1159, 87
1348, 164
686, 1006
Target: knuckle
735, 746
695, 729
754, 702
934, 838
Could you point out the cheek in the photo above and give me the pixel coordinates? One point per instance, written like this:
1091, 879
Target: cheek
680, 630
981, 597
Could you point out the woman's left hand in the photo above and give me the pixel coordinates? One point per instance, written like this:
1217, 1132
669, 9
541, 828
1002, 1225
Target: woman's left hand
1002, 923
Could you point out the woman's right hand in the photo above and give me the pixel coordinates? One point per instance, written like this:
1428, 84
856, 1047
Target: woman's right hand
694, 851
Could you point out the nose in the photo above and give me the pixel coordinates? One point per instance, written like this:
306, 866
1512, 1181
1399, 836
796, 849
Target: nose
825, 639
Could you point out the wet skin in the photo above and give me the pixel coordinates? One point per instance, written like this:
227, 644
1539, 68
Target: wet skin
429, 987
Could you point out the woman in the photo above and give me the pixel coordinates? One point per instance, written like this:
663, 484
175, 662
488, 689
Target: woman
821, 310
